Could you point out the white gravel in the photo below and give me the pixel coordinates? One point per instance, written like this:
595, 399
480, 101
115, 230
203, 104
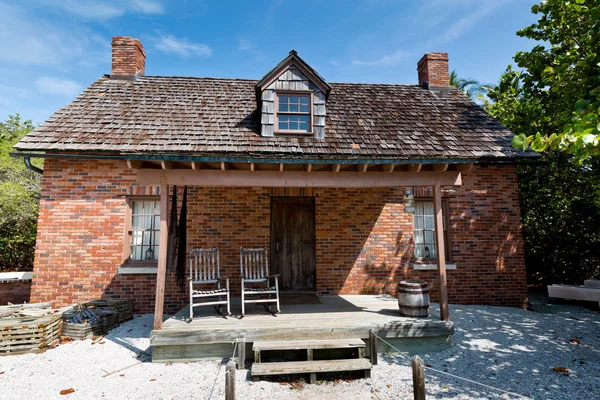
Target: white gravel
511, 349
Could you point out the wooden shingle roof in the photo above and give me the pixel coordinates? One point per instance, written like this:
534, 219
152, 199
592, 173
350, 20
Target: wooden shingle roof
218, 117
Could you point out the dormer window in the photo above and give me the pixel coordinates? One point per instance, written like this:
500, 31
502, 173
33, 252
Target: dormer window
293, 113
291, 100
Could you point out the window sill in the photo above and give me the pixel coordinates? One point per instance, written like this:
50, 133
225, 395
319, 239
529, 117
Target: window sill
431, 267
294, 133
137, 270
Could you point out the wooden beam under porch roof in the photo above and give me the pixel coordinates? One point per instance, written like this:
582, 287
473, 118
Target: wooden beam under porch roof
348, 179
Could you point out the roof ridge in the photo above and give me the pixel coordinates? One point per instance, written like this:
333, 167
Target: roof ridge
195, 77
256, 80
376, 84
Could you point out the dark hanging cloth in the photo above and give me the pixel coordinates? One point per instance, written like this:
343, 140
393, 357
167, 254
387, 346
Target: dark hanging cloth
172, 241
182, 245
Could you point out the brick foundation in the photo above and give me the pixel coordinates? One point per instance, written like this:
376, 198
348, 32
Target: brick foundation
14, 291
364, 238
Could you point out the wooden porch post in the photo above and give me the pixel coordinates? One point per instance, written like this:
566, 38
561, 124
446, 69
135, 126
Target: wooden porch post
440, 250
161, 273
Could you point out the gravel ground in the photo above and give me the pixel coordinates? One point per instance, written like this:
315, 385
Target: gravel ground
507, 348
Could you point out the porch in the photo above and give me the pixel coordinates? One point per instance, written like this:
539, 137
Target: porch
209, 336
296, 173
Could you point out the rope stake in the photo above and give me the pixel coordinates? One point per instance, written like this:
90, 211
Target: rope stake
452, 375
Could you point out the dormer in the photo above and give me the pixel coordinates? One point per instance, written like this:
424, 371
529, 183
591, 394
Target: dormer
292, 99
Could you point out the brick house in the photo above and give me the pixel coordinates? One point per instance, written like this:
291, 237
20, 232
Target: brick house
316, 172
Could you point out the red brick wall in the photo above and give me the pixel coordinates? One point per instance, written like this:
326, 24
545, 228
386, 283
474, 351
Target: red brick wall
364, 239
14, 291
229, 218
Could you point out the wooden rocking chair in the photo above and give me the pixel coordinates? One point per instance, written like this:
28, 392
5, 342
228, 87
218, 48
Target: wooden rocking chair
205, 270
254, 268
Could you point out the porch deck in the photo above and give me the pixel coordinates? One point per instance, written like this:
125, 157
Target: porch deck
210, 336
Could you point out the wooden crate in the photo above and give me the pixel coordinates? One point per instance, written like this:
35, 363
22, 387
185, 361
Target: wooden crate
82, 331
29, 334
123, 306
108, 318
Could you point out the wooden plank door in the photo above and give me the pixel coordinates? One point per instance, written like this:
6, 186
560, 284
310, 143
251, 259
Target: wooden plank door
293, 242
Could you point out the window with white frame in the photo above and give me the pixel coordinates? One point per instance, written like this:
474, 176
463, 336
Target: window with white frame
144, 230
293, 113
424, 231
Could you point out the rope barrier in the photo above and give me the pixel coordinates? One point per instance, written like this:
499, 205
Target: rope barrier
212, 390
171, 397
475, 382
235, 344
449, 374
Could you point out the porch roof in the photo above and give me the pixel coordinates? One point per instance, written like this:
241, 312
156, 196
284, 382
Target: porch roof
203, 117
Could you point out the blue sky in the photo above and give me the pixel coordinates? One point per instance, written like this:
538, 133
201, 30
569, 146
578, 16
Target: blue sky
50, 50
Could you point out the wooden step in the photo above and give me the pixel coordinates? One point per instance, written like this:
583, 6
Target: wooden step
269, 345
308, 367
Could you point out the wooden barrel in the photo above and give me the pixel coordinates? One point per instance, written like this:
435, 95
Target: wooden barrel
413, 299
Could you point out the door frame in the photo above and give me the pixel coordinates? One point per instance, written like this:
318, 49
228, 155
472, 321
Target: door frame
314, 242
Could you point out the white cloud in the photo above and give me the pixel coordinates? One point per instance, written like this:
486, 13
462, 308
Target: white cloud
377, 3
148, 6
182, 47
58, 86
28, 40
458, 28
103, 10
249, 47
245, 45
457, 16
88, 9
10, 93
13, 91
387, 60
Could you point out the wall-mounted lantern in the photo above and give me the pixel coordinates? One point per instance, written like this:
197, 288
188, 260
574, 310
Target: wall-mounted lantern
409, 201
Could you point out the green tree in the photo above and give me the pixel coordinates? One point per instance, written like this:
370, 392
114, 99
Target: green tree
19, 199
560, 199
561, 221
561, 77
471, 87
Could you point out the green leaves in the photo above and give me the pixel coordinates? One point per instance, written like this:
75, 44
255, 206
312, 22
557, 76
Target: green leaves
520, 141
561, 220
555, 109
471, 87
588, 139
560, 94
539, 144
19, 194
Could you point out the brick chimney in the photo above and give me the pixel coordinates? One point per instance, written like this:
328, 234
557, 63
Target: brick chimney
128, 58
433, 70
